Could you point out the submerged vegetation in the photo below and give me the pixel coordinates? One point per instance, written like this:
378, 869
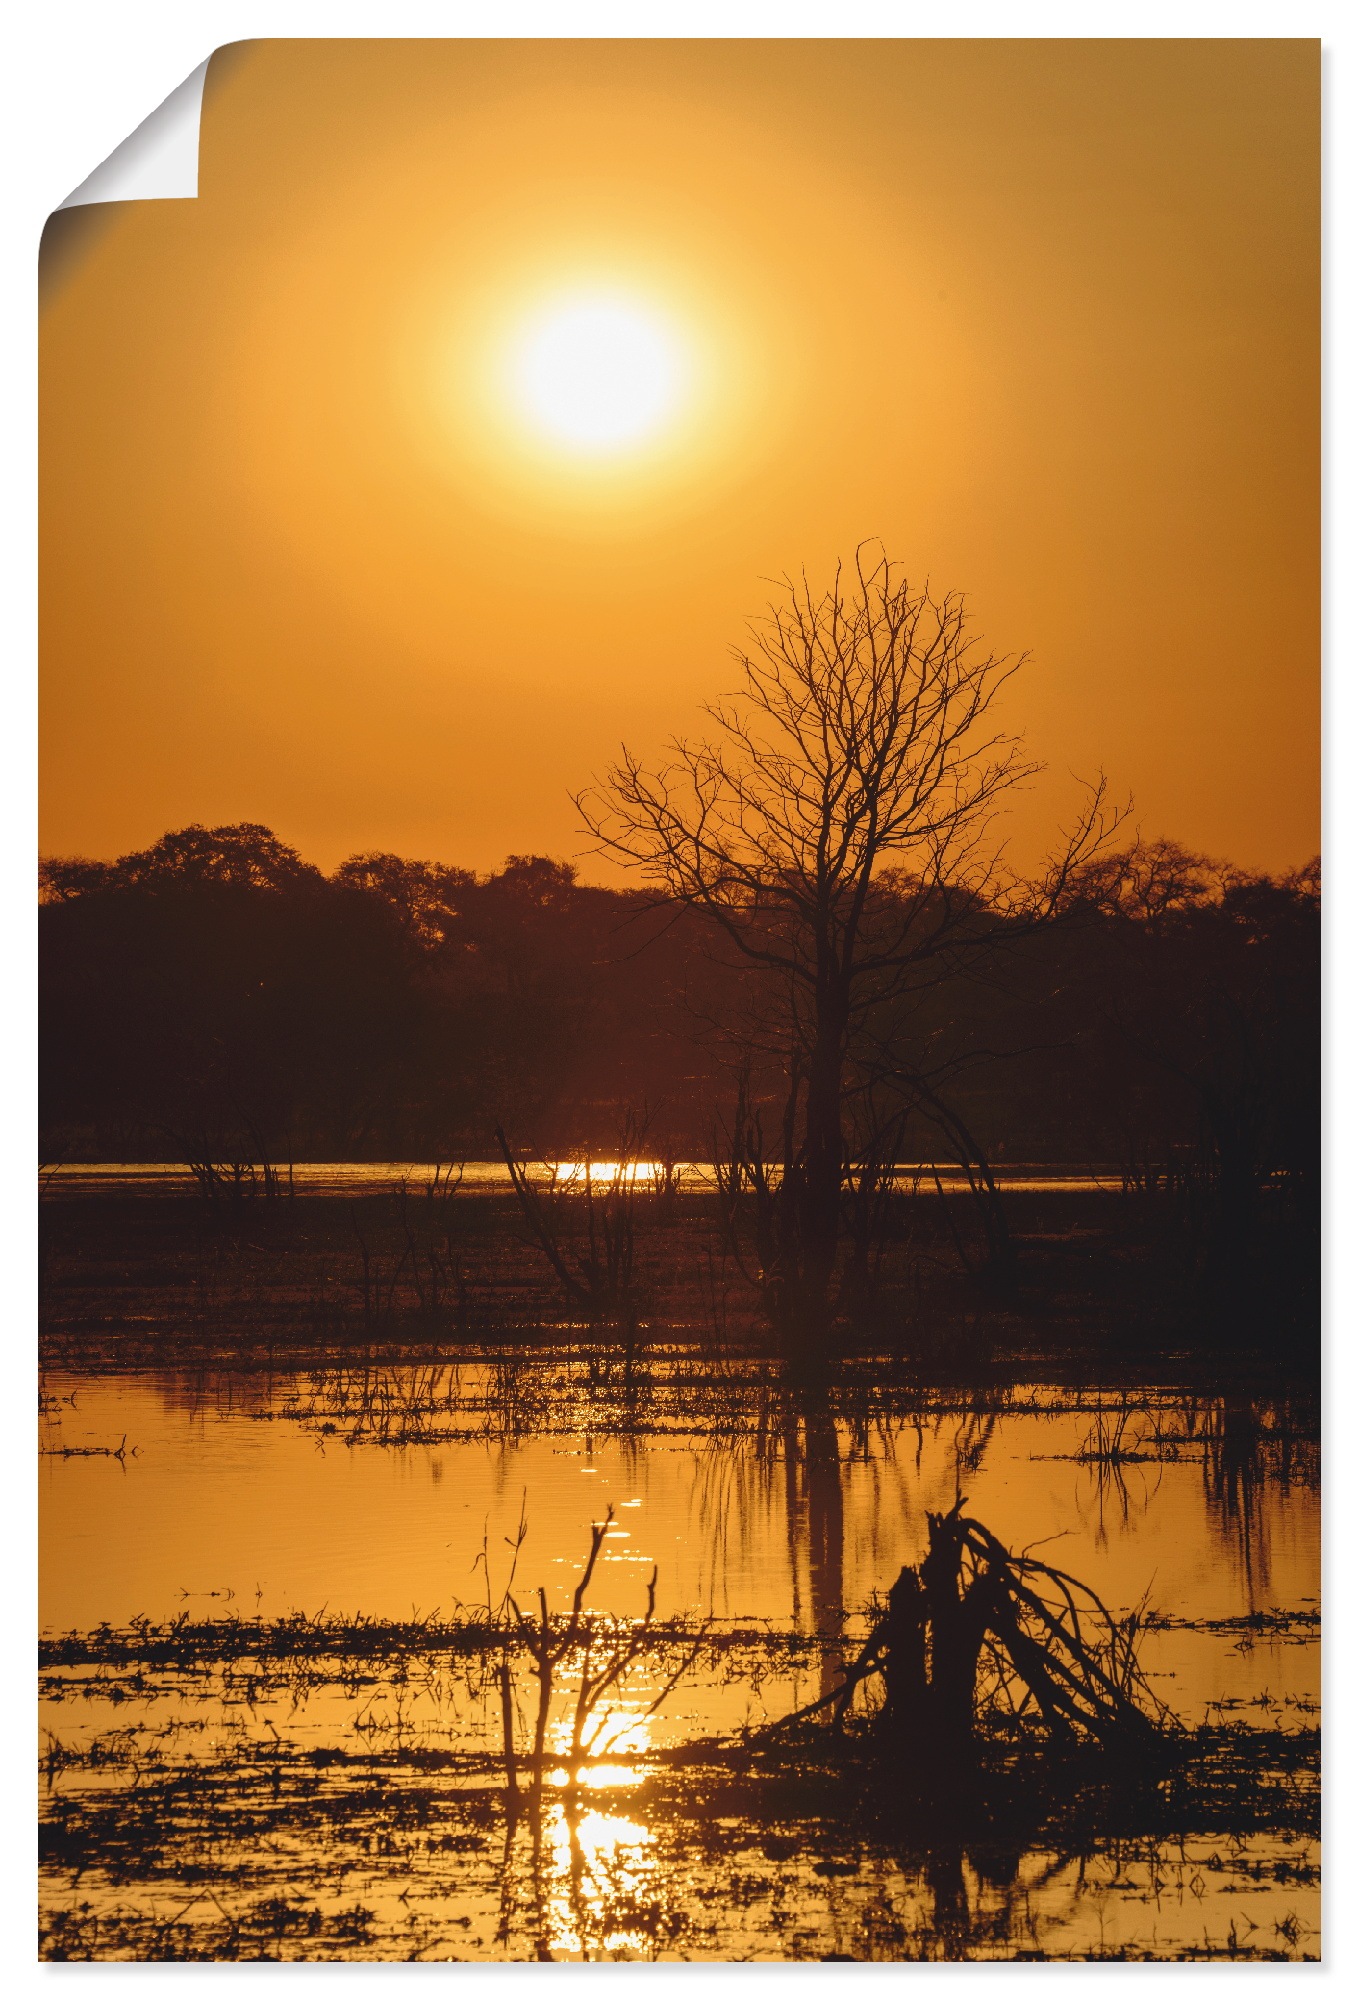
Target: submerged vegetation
996, 1777
836, 1830
982, 1762
281, 1851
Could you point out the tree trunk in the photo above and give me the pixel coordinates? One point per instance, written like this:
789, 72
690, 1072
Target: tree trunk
957, 1626
905, 1675
822, 1173
933, 1635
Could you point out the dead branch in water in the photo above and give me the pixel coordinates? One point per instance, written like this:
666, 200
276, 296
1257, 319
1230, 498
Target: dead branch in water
606, 1657
973, 1617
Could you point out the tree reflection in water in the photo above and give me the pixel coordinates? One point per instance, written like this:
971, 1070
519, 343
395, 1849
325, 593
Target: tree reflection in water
1254, 1451
816, 1534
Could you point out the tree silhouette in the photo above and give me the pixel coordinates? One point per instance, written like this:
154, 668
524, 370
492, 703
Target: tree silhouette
862, 736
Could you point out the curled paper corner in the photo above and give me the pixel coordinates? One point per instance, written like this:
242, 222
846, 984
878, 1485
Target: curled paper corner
157, 162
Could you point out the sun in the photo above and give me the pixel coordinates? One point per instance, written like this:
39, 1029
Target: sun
598, 373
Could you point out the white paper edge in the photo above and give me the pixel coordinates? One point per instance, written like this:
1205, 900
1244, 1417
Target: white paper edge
157, 162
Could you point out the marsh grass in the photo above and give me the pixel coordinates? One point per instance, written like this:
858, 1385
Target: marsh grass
117, 1451
396, 1850
426, 1265
222, 1817
339, 1787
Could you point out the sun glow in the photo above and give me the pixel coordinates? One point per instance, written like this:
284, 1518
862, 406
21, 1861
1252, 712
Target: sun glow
598, 373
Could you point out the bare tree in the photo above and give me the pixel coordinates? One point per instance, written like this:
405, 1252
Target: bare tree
862, 739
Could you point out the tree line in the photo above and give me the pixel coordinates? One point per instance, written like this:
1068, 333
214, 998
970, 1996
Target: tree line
214, 994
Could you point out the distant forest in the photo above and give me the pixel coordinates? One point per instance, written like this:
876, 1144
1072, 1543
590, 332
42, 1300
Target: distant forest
215, 996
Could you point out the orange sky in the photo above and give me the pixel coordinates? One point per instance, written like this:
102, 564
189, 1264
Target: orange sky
1042, 315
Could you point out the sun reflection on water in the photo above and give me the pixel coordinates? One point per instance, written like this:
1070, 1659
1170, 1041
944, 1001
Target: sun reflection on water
600, 1864
577, 1173
597, 1777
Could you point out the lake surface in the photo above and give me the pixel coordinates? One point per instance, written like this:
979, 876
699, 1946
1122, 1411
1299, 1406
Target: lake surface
493, 1176
387, 1493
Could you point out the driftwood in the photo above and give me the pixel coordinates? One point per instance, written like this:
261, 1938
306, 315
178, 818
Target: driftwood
972, 1618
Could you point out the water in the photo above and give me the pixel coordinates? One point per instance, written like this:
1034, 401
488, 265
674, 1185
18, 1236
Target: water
251, 1496
493, 1176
